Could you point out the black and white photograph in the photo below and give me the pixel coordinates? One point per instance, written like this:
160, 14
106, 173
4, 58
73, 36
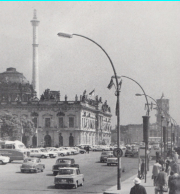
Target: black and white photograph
90, 97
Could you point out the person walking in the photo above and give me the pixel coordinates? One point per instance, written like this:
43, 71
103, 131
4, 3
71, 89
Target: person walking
168, 167
155, 171
176, 183
174, 166
161, 161
161, 182
142, 169
137, 188
87, 149
171, 184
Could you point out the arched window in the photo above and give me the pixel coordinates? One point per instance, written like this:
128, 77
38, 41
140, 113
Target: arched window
60, 140
47, 141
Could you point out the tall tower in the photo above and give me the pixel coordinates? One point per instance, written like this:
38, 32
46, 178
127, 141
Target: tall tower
35, 69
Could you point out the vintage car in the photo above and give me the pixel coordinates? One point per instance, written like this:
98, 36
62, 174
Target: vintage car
38, 153
32, 165
131, 152
63, 162
50, 153
104, 155
4, 159
58, 151
112, 160
69, 177
81, 151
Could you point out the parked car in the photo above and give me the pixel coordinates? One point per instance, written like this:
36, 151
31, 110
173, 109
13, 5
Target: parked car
131, 152
38, 153
72, 150
32, 165
105, 155
58, 151
112, 160
4, 159
81, 151
49, 152
69, 177
63, 162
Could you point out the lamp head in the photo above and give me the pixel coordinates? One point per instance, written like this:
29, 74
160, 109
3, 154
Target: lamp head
138, 94
64, 35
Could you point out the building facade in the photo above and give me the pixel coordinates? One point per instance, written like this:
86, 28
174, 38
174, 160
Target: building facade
86, 120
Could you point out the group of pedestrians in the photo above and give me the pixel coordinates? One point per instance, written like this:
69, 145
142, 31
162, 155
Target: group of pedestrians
166, 175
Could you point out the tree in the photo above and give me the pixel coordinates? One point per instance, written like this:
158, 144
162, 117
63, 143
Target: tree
12, 127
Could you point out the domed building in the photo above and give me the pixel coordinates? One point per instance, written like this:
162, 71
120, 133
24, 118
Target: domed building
15, 87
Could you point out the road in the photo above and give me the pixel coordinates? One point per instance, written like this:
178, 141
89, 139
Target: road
98, 176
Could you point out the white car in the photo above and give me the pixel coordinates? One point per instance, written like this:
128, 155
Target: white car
72, 150
112, 160
58, 151
38, 153
51, 153
4, 159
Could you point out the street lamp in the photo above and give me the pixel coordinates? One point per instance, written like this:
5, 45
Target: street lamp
117, 94
145, 126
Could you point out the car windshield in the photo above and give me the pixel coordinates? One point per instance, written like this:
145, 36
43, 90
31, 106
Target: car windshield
43, 150
30, 160
62, 161
65, 171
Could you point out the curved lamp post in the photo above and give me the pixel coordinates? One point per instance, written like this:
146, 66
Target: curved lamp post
65, 35
146, 118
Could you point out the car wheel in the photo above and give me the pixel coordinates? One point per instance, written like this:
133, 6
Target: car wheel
51, 155
125, 155
61, 154
1, 162
76, 185
22, 171
54, 173
43, 156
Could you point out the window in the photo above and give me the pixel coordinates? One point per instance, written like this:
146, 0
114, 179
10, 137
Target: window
71, 121
47, 122
34, 120
61, 123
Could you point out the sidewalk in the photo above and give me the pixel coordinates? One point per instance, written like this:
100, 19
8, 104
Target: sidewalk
128, 183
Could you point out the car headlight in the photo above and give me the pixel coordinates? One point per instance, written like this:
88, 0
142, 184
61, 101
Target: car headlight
33, 166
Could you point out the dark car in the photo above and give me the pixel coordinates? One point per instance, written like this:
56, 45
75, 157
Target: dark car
131, 152
63, 162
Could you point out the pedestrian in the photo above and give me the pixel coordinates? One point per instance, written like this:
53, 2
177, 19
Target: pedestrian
155, 171
174, 166
142, 169
87, 149
137, 188
171, 185
176, 183
161, 161
176, 156
161, 182
168, 167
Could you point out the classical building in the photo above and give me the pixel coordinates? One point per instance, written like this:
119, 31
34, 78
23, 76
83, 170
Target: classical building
85, 120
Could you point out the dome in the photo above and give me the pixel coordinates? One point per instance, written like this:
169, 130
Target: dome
12, 76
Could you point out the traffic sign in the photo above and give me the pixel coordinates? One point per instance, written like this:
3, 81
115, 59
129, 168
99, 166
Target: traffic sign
117, 152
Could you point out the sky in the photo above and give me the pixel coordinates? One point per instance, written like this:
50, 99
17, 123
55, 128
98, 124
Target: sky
141, 38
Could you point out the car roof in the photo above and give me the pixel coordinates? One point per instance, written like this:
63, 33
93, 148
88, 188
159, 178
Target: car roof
73, 168
66, 158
